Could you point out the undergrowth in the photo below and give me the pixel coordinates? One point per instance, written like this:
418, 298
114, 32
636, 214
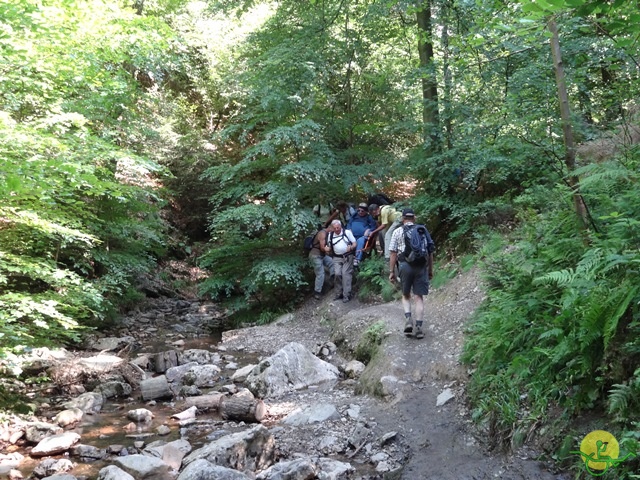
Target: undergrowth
559, 329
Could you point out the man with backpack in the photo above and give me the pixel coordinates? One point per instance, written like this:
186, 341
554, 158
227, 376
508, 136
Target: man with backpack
320, 260
341, 244
412, 247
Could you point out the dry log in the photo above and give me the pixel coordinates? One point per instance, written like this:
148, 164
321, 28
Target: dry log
156, 387
205, 402
243, 406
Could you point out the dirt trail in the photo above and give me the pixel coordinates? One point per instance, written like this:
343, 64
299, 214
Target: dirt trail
439, 442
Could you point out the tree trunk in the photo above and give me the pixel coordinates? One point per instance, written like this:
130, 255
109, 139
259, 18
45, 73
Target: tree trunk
430, 116
565, 115
156, 387
205, 402
243, 406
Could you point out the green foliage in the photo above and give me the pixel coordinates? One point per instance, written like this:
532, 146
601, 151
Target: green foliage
370, 342
79, 201
373, 280
561, 310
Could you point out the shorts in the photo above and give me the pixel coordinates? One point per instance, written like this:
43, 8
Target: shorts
414, 277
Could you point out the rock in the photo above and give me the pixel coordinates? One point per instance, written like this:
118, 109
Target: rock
113, 473
241, 375
203, 470
68, 417
109, 344
10, 461
292, 367
140, 415
444, 397
163, 430
100, 363
60, 476
55, 444
156, 449
87, 402
354, 369
307, 468
52, 466
199, 356
353, 411
142, 467
114, 389
314, 414
172, 456
194, 374
163, 361
252, 449
88, 453
300, 468
329, 445
387, 437
38, 430
359, 435
390, 385
334, 469
15, 475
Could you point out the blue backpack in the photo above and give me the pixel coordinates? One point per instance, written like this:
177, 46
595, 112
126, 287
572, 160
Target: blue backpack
417, 244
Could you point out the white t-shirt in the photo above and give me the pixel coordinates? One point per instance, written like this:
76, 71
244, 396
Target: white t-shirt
340, 242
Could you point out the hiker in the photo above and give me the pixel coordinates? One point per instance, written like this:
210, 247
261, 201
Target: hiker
361, 225
388, 220
414, 276
341, 244
320, 261
343, 212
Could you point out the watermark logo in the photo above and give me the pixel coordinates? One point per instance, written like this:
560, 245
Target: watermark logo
600, 451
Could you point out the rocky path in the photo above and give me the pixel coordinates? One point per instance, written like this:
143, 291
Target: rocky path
404, 416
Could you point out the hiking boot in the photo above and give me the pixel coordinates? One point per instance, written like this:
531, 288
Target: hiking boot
356, 262
418, 330
408, 327
317, 295
346, 298
337, 297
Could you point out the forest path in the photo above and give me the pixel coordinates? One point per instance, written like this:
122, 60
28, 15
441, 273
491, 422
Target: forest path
442, 440
438, 442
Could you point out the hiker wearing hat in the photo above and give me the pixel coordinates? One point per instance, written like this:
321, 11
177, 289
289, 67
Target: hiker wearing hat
412, 248
361, 225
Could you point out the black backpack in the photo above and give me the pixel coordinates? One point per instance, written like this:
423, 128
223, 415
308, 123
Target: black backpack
380, 199
417, 244
310, 241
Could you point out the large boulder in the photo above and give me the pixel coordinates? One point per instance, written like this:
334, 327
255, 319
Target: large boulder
291, 368
203, 470
252, 449
55, 444
142, 467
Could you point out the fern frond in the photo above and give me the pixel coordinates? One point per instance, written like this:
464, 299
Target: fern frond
560, 278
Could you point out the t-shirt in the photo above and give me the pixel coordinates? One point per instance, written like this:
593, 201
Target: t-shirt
359, 224
388, 215
397, 239
340, 242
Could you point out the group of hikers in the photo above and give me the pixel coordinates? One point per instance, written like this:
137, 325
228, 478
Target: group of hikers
352, 232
